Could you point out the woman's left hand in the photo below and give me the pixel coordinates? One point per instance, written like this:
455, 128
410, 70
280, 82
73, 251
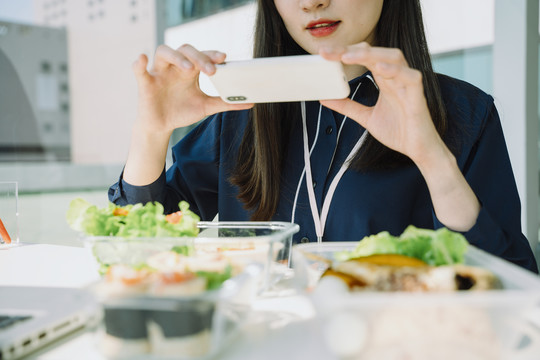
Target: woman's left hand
400, 119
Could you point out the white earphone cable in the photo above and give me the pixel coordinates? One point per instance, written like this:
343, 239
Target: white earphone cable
320, 221
304, 170
339, 132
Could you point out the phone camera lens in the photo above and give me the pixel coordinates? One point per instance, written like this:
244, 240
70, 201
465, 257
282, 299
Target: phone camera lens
236, 98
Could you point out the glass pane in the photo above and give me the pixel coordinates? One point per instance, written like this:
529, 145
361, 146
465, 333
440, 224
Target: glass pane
9, 226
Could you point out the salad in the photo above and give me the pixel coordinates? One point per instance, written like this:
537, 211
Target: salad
433, 247
170, 273
131, 221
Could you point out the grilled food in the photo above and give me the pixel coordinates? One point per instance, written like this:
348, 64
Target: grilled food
391, 272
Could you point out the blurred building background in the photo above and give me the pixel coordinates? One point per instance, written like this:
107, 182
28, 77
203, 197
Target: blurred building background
68, 97
35, 93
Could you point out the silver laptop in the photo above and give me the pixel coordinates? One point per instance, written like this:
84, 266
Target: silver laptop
31, 317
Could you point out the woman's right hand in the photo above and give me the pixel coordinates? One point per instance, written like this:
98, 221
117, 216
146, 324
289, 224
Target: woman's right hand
169, 97
169, 93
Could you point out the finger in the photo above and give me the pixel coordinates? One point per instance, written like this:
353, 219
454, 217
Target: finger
139, 68
333, 53
367, 55
356, 111
201, 60
402, 74
165, 56
216, 56
215, 105
398, 80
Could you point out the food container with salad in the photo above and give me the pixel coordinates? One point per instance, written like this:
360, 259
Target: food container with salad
174, 287
131, 234
426, 294
171, 313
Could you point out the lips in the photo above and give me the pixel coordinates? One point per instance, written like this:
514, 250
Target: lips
322, 27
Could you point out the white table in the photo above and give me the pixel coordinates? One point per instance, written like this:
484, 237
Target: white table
285, 328
46, 265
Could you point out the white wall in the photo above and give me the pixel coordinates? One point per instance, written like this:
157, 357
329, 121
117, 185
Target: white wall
230, 32
103, 88
458, 24
515, 80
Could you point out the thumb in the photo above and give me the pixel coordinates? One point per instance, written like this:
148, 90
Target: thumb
139, 68
353, 110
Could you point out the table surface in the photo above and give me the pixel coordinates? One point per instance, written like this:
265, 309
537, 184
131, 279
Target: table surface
283, 327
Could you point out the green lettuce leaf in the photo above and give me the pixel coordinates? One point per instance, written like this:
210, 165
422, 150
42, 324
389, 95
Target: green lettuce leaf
130, 221
215, 279
434, 247
381, 243
75, 213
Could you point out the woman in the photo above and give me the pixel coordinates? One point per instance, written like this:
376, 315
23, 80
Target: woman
424, 149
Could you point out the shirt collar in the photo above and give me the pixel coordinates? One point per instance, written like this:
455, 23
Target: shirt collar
368, 92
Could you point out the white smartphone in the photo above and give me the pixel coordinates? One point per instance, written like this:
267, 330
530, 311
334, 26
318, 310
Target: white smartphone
280, 79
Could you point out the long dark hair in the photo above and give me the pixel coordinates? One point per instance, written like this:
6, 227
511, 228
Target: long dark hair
263, 148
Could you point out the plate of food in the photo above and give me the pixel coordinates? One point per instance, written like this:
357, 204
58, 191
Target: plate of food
422, 295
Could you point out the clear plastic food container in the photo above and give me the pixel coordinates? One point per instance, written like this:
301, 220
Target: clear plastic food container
146, 326
265, 243
492, 324
158, 304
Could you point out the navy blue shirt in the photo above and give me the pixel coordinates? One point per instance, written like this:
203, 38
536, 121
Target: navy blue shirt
364, 203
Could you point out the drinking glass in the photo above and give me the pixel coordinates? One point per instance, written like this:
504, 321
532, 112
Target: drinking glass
9, 213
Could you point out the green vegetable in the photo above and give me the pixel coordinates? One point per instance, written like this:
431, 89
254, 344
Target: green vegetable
130, 221
381, 243
215, 279
434, 247
103, 269
183, 250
